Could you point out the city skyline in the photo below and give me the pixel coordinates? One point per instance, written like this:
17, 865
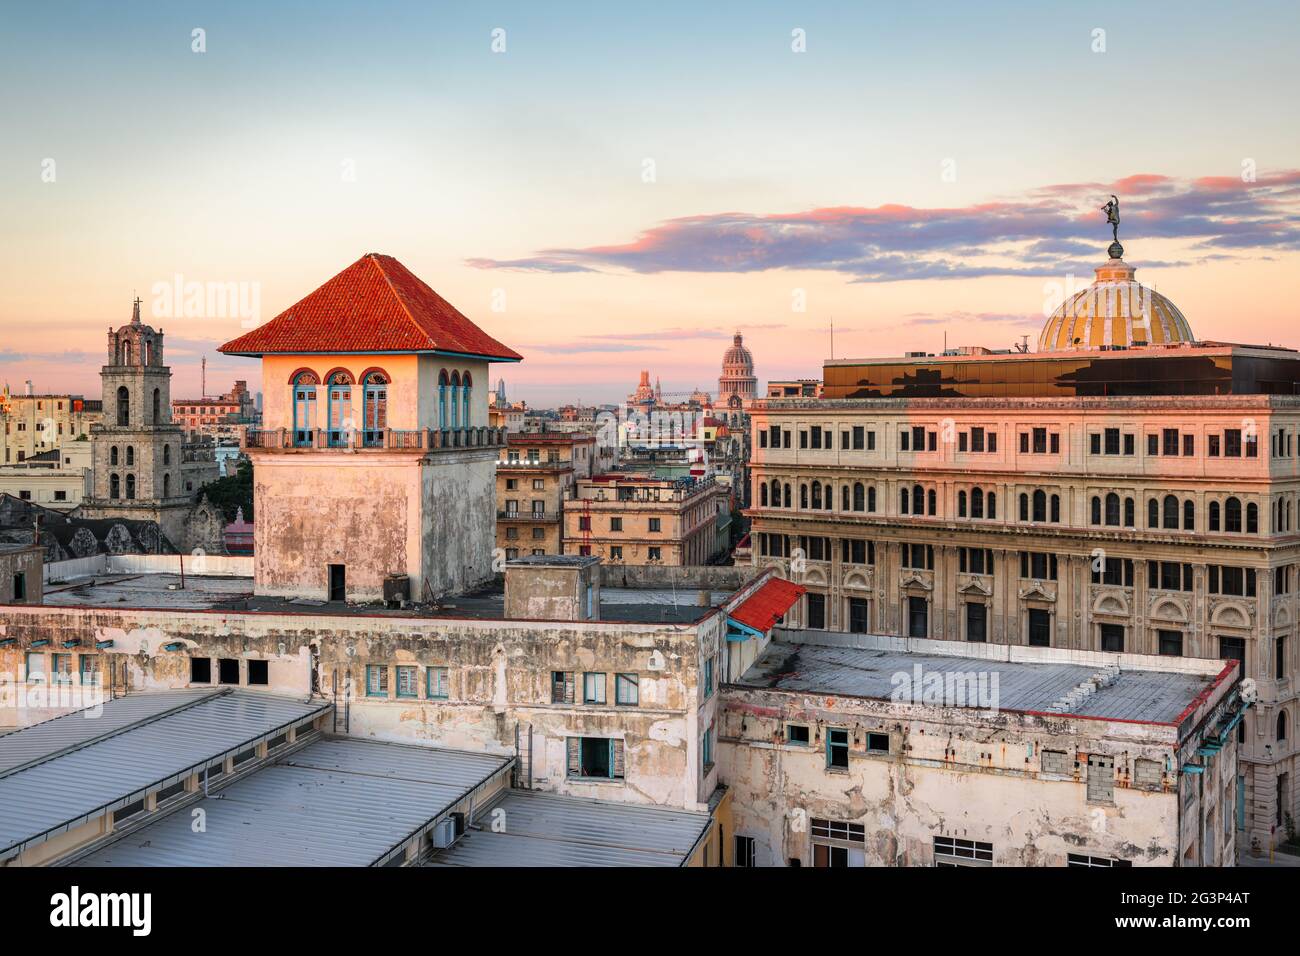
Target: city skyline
713, 180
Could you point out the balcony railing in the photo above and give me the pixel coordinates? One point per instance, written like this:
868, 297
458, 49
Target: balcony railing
514, 515
373, 440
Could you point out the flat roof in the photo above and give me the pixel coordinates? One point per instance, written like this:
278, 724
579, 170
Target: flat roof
234, 595
336, 802
63, 784
547, 829
1137, 691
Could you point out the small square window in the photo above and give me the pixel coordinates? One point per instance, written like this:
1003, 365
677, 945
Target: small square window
259, 673
797, 734
878, 743
228, 670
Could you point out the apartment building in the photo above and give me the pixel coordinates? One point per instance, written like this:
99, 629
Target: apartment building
220, 418
534, 474
59, 478
627, 518
1125, 489
32, 424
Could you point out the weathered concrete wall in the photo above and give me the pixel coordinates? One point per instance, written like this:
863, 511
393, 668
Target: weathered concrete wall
499, 675
316, 509
457, 529
659, 576
952, 773
25, 561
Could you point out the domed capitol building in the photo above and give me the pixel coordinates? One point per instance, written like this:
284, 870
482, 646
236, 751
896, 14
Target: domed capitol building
737, 386
1127, 488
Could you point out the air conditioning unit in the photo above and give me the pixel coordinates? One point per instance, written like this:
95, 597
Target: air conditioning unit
443, 835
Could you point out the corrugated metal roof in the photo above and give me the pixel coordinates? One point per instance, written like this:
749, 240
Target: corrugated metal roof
49, 737
106, 774
336, 802
546, 829
1136, 695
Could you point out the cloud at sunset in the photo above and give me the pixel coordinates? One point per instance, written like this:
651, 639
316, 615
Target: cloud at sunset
1044, 232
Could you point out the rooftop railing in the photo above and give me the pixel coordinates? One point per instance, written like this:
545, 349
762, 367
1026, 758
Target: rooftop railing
373, 440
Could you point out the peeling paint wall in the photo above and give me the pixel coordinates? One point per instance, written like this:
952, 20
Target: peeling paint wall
951, 773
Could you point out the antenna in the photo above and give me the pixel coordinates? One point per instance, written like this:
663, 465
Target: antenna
203, 377
832, 337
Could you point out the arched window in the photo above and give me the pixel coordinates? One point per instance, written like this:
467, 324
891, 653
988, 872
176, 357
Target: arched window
1232, 515
1281, 725
776, 493
1095, 513
375, 395
1214, 516
977, 503
817, 495
112, 456
442, 400
803, 496
1189, 515
123, 406
904, 499
858, 497
1129, 520
1024, 506
762, 496
993, 504
454, 421
1040, 505
465, 388
1056, 509
1112, 509
304, 408
1153, 513
961, 504
844, 498
932, 502
157, 407
130, 454
1252, 518
788, 496
115, 487
167, 486
130, 487
918, 500
871, 498
338, 407
1171, 513
167, 454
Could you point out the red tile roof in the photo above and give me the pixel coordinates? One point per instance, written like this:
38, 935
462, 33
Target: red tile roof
374, 305
768, 604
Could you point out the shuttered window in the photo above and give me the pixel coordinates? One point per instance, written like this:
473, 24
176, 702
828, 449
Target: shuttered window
376, 680
594, 757
561, 687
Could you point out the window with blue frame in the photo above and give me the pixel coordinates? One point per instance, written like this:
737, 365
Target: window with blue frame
626, 690
443, 422
465, 387
376, 680
304, 408
407, 681
837, 749
437, 688
36, 672
706, 748
61, 671
706, 678
374, 397
89, 669
597, 758
797, 734
593, 688
338, 394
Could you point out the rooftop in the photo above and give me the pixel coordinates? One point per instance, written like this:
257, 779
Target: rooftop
1047, 681
72, 769
162, 591
335, 802
374, 305
545, 829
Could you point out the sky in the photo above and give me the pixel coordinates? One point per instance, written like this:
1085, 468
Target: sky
614, 187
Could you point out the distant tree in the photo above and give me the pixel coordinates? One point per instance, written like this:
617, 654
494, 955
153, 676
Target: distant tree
232, 492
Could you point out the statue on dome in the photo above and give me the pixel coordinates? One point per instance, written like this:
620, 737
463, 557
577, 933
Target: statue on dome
1111, 209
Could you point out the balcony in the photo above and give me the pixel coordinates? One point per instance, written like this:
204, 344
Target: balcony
511, 515
374, 440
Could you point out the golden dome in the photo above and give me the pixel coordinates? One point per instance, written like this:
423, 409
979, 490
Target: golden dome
1114, 311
